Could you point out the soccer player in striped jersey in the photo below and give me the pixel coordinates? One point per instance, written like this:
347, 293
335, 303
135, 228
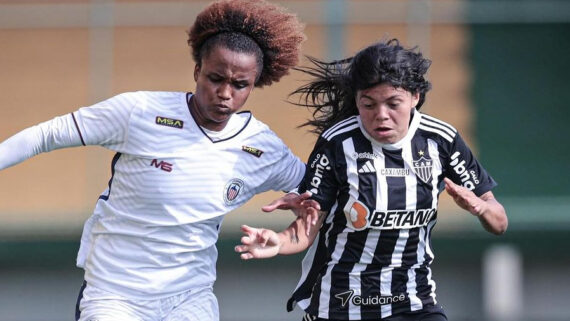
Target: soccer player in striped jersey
182, 162
377, 170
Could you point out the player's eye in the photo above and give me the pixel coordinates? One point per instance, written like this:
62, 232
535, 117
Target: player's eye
240, 84
215, 78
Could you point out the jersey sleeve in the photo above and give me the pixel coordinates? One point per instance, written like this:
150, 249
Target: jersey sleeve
57, 133
106, 123
464, 169
287, 172
320, 177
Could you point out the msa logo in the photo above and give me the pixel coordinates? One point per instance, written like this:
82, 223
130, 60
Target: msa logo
320, 164
169, 122
468, 178
165, 166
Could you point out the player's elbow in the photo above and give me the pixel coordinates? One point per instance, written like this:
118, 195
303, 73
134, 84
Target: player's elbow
502, 226
499, 227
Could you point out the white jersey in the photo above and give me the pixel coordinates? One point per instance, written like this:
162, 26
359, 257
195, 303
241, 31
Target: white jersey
154, 229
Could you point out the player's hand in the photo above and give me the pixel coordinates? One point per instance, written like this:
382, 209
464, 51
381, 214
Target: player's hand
258, 243
465, 198
300, 204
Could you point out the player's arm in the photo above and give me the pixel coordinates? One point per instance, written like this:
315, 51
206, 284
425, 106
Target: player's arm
490, 212
260, 243
300, 204
57, 133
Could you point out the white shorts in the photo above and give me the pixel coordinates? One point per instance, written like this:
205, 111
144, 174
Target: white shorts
95, 304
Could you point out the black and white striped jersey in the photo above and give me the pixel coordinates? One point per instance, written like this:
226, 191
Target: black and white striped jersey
372, 256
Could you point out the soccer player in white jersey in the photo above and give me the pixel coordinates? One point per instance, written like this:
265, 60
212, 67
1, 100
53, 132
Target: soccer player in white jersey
182, 162
377, 171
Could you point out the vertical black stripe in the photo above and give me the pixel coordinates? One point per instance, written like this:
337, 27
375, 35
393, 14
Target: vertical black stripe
113, 163
79, 298
78, 130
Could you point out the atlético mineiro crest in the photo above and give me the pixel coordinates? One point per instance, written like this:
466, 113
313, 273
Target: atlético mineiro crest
423, 168
232, 190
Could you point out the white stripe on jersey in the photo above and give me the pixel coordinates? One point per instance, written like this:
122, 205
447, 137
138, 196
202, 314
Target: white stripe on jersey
411, 203
437, 170
382, 204
437, 131
449, 129
324, 298
431, 282
326, 134
342, 130
435, 125
415, 302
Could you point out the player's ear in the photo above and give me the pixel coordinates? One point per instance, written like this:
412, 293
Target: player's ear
415, 99
196, 72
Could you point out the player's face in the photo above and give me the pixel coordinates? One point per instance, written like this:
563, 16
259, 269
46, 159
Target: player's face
385, 111
223, 83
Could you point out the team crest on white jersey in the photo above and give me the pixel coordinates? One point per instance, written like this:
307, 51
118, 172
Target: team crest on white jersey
232, 190
423, 168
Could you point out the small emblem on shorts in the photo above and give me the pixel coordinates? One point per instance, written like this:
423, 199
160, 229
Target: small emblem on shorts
423, 168
232, 190
169, 122
252, 150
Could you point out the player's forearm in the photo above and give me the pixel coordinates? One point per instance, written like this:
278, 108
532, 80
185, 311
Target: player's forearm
294, 239
47, 136
493, 217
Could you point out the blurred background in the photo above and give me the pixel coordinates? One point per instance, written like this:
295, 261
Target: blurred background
500, 76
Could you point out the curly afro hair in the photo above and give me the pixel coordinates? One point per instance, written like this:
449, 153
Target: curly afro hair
251, 26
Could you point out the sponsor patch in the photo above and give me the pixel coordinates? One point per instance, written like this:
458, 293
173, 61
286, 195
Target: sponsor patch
365, 155
232, 190
169, 122
468, 178
359, 217
252, 150
357, 214
394, 172
321, 164
406, 219
377, 300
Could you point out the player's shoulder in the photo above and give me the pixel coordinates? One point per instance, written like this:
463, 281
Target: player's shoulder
257, 131
436, 129
340, 130
144, 99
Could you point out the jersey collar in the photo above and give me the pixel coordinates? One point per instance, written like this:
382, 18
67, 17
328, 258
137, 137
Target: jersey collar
245, 112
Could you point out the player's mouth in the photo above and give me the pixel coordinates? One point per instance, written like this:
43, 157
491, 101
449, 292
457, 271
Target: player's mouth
222, 109
382, 130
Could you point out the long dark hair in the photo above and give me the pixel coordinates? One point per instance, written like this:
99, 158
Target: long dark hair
332, 91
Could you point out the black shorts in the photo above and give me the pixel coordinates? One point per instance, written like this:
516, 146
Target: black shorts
429, 313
